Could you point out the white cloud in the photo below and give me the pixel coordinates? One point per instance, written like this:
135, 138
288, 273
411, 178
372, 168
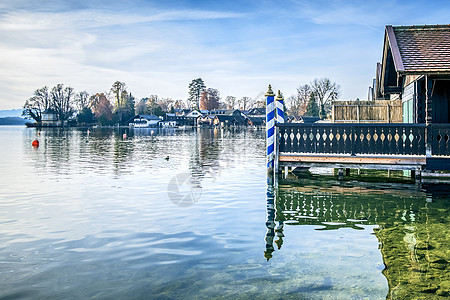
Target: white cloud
159, 51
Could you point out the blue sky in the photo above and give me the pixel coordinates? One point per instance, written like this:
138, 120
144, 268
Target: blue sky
158, 47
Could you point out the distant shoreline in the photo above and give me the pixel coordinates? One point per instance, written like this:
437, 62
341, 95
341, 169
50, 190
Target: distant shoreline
13, 121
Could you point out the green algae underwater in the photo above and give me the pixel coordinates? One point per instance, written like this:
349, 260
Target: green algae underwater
413, 223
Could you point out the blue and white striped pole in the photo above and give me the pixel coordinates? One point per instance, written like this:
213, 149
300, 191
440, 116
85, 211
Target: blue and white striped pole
279, 116
270, 127
280, 107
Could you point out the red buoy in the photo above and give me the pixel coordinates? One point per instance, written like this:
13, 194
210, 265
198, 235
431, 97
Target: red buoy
35, 143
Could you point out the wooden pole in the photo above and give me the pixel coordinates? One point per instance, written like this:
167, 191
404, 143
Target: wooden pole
279, 105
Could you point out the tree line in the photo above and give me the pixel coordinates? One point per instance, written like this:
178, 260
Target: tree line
314, 99
119, 105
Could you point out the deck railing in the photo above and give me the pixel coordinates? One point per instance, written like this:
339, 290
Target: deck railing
438, 137
365, 139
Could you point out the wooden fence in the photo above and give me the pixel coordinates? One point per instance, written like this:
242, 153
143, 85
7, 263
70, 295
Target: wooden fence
399, 143
379, 111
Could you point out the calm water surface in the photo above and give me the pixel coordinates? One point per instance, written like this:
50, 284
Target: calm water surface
189, 214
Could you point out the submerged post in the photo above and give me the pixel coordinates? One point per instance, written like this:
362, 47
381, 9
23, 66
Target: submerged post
279, 109
270, 127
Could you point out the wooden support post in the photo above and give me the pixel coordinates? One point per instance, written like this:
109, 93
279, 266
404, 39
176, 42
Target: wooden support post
353, 140
277, 152
418, 175
388, 113
428, 103
357, 113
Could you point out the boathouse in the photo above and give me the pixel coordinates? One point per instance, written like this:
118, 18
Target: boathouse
145, 121
50, 119
412, 83
415, 70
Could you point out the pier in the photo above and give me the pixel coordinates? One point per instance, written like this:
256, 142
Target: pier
416, 147
420, 148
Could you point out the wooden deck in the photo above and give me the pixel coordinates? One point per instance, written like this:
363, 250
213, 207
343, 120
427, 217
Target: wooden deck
363, 146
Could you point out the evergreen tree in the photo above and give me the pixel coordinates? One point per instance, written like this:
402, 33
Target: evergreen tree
196, 88
312, 109
85, 116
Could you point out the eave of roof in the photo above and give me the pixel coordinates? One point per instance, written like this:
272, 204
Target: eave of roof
394, 49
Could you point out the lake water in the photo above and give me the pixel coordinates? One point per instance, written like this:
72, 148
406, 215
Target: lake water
190, 215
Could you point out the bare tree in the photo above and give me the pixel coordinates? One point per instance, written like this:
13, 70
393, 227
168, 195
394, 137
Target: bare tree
179, 104
245, 103
36, 105
324, 92
210, 99
297, 103
82, 100
61, 98
118, 89
119, 92
166, 103
230, 102
141, 107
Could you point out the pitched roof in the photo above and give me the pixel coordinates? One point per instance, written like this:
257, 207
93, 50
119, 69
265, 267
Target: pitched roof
148, 117
420, 49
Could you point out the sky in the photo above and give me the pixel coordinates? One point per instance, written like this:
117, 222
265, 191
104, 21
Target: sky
159, 47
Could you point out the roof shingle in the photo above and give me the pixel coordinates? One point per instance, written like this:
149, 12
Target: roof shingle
424, 48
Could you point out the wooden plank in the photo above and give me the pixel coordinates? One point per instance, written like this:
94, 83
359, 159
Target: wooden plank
418, 168
438, 163
387, 160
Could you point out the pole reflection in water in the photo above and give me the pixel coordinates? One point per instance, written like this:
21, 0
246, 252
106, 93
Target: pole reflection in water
272, 228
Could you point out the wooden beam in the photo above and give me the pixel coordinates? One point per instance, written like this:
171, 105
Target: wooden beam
392, 89
386, 160
428, 103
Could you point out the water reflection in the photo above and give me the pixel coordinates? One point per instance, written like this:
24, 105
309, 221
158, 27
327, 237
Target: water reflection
189, 156
272, 227
412, 225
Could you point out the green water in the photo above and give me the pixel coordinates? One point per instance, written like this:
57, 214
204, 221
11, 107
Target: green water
412, 224
189, 214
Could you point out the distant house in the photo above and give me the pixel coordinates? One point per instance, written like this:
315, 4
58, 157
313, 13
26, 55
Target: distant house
142, 121
257, 121
168, 124
229, 120
193, 114
50, 119
181, 120
415, 69
225, 112
205, 120
261, 111
307, 119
